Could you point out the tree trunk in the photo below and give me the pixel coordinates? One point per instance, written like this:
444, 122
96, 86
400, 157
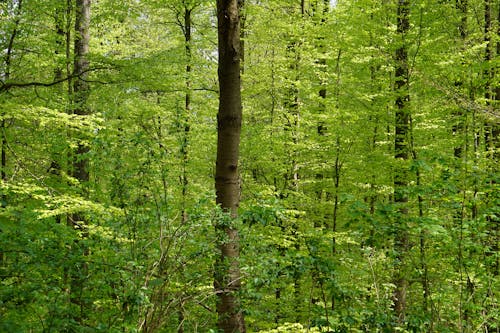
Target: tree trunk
293, 176
185, 129
185, 119
80, 93
5, 77
492, 145
227, 185
458, 127
243, 18
402, 154
81, 88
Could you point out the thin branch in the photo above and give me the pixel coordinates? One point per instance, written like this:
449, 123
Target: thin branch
461, 100
6, 86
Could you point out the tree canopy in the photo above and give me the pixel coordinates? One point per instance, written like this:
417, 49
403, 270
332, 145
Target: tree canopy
356, 187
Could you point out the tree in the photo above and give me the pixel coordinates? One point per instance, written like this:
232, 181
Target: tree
80, 94
5, 75
402, 155
227, 185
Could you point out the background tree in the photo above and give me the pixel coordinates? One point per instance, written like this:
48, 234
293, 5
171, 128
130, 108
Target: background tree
402, 154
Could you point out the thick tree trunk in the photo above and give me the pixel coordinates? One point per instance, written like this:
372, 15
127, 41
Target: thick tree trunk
402, 154
227, 185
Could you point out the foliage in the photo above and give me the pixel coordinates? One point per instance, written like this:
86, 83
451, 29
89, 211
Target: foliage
317, 217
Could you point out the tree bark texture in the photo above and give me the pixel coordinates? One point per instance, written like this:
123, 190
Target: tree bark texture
227, 185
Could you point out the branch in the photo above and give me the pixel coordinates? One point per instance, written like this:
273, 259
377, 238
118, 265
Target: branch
463, 101
6, 86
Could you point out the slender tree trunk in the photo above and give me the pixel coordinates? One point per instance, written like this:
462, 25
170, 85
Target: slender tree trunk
3, 125
488, 52
424, 278
294, 120
458, 127
69, 21
460, 150
186, 128
492, 144
323, 219
402, 154
60, 39
338, 163
372, 143
81, 90
321, 128
491, 129
495, 156
227, 281
243, 18
81, 87
57, 159
187, 110
293, 176
467, 298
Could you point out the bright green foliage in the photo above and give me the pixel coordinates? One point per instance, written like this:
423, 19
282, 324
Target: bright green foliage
317, 215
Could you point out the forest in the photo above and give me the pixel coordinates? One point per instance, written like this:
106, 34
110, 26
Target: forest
249, 166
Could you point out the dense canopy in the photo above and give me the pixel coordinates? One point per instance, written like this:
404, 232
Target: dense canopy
249, 165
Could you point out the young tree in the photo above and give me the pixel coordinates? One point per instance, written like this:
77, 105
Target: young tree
402, 155
491, 141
